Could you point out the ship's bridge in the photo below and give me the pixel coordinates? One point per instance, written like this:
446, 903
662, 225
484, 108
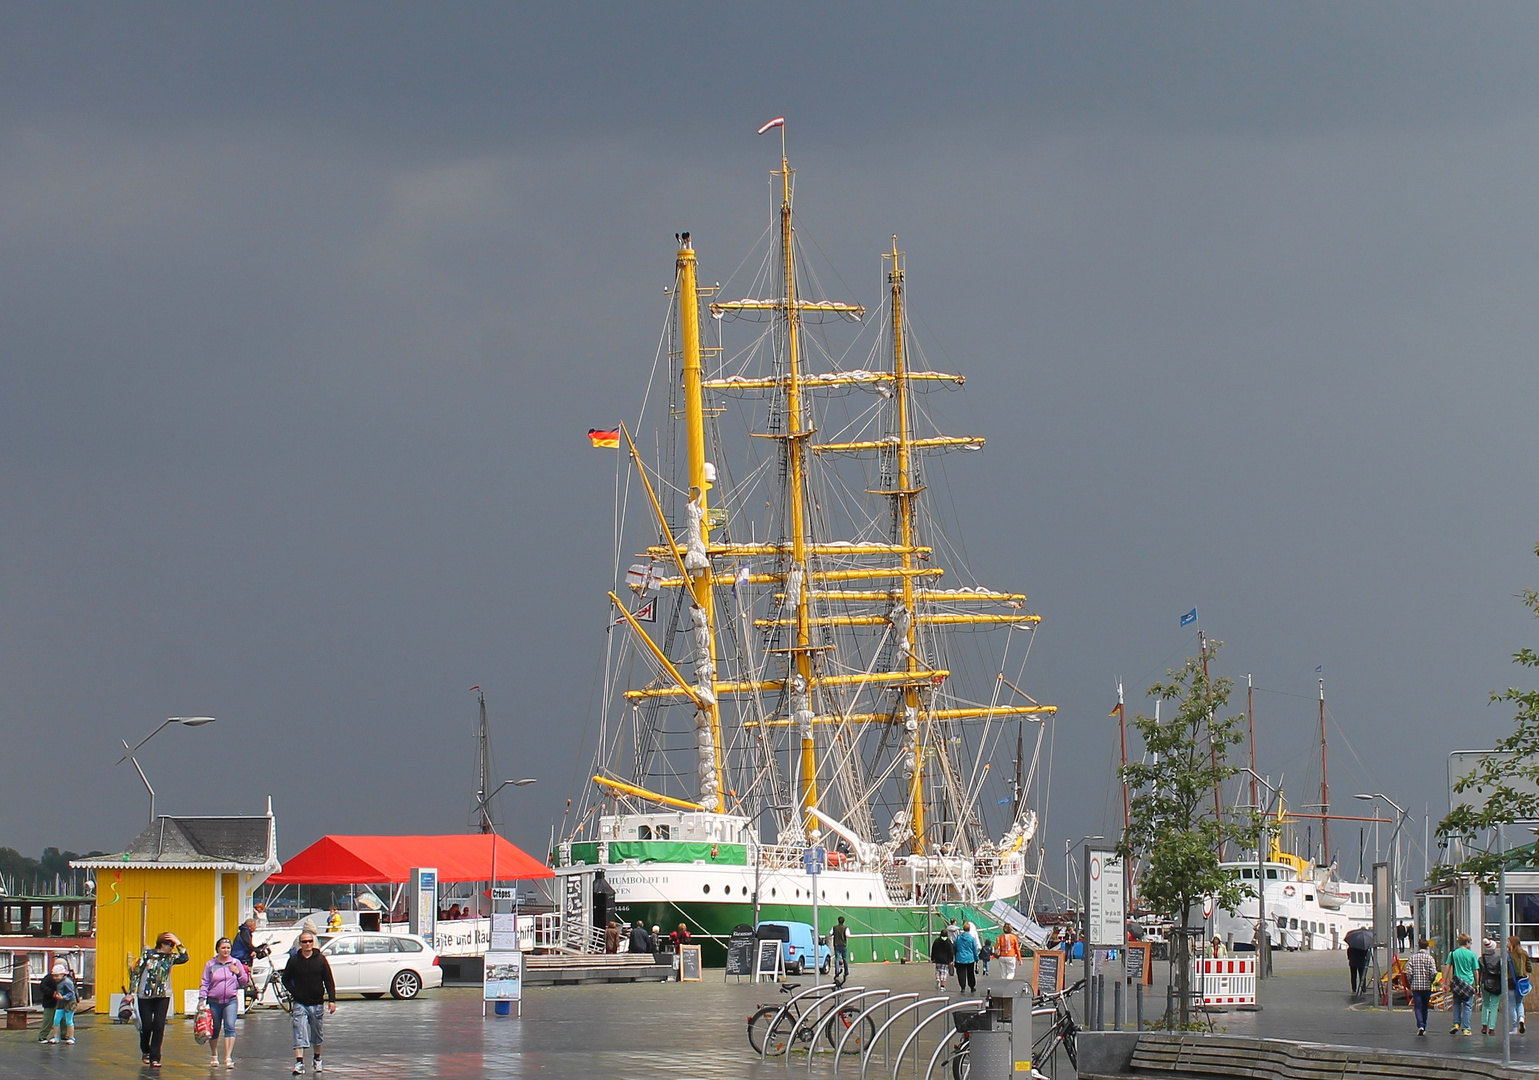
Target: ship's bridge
1274, 871
681, 825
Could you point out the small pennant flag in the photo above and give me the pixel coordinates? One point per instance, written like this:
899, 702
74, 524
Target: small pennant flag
1189, 618
779, 121
610, 439
647, 612
1115, 709
1320, 670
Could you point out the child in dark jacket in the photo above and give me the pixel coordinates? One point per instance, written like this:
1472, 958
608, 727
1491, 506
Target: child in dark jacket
64, 998
941, 955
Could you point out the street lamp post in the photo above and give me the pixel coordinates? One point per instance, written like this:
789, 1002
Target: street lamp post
484, 799
1394, 888
129, 751
1263, 935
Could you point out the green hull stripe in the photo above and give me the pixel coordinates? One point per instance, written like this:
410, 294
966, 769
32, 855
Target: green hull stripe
876, 934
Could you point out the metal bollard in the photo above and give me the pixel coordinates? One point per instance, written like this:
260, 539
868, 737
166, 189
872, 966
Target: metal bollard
1140, 993
1117, 1016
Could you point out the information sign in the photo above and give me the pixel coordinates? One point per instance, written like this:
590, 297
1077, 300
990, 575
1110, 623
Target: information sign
503, 978
504, 932
815, 859
1105, 906
504, 892
422, 901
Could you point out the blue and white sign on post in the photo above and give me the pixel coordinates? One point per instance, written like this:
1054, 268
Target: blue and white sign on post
815, 859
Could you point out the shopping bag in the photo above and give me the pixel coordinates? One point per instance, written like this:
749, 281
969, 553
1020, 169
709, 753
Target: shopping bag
1524, 986
203, 1024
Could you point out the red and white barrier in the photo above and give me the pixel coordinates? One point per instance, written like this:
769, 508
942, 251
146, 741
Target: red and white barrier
1228, 981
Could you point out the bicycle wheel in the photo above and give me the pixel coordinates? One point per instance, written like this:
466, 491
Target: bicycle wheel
858, 1039
760, 1030
961, 1065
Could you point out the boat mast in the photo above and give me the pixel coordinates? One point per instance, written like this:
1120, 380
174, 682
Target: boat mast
483, 768
1325, 783
796, 583
712, 780
1250, 720
1122, 736
903, 501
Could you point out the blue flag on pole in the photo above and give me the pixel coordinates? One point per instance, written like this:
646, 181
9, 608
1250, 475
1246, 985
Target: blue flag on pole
1189, 618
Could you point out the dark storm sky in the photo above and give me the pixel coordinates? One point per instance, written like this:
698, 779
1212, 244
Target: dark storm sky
306, 309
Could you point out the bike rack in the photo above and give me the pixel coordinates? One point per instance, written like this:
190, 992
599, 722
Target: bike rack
884, 997
780, 1014
897, 1062
942, 1045
865, 1058
818, 1019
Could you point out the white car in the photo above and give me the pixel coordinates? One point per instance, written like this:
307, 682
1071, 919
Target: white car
402, 965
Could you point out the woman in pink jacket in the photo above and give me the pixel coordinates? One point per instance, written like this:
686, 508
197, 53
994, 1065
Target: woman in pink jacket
223, 976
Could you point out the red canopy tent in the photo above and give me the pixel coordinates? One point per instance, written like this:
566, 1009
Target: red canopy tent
373, 860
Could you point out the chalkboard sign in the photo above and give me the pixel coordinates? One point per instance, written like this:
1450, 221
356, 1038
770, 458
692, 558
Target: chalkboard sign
1136, 967
1046, 971
767, 960
689, 963
740, 950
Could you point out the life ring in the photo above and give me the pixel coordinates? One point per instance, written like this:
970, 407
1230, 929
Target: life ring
1288, 891
835, 858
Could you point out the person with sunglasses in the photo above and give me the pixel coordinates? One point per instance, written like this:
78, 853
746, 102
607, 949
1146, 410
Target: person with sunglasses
307, 976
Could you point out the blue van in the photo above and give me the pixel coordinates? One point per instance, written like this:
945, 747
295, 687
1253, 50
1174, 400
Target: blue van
796, 950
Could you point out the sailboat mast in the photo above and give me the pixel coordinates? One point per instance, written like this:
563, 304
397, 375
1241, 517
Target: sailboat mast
796, 583
712, 779
903, 496
1122, 737
1325, 783
1250, 720
483, 768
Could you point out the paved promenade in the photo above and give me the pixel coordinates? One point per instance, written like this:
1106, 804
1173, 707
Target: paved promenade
666, 1031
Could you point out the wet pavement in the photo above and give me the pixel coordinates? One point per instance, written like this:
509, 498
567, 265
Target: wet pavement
676, 1031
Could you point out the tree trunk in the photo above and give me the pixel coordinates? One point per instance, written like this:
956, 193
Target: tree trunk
1184, 970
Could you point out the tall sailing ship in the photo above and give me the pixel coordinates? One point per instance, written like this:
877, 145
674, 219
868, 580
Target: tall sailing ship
798, 658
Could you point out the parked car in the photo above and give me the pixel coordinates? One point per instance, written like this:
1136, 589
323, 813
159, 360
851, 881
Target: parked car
797, 950
401, 965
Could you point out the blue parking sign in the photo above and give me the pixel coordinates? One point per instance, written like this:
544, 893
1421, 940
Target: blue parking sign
815, 859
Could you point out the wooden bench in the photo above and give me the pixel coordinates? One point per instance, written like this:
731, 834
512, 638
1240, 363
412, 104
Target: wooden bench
1189, 1057
559, 968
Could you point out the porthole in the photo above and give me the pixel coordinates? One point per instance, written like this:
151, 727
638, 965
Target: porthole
774, 892
846, 896
868, 896
726, 890
705, 888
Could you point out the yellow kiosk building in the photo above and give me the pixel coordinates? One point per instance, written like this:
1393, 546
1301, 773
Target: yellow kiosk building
193, 876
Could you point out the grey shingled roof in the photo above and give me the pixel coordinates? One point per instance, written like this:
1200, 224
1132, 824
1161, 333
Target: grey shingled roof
233, 843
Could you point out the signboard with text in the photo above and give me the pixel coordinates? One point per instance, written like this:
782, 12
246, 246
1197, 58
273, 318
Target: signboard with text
1105, 898
1047, 968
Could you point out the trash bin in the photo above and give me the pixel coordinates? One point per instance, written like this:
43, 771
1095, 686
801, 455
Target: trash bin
504, 1008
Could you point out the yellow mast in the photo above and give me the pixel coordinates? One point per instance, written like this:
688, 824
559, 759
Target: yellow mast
796, 438
904, 497
700, 484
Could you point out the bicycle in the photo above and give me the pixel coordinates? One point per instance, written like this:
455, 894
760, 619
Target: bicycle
1062, 1031
763, 1025
274, 981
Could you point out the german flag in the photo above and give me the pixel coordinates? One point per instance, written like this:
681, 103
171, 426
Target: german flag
610, 439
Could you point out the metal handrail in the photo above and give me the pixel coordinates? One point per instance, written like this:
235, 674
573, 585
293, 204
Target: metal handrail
956, 1006
884, 997
813, 1015
865, 1059
781, 1012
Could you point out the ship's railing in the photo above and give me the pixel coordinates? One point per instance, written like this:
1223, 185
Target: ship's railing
552, 933
789, 857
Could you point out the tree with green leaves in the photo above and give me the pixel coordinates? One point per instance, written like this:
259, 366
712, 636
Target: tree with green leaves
1176, 831
1507, 779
